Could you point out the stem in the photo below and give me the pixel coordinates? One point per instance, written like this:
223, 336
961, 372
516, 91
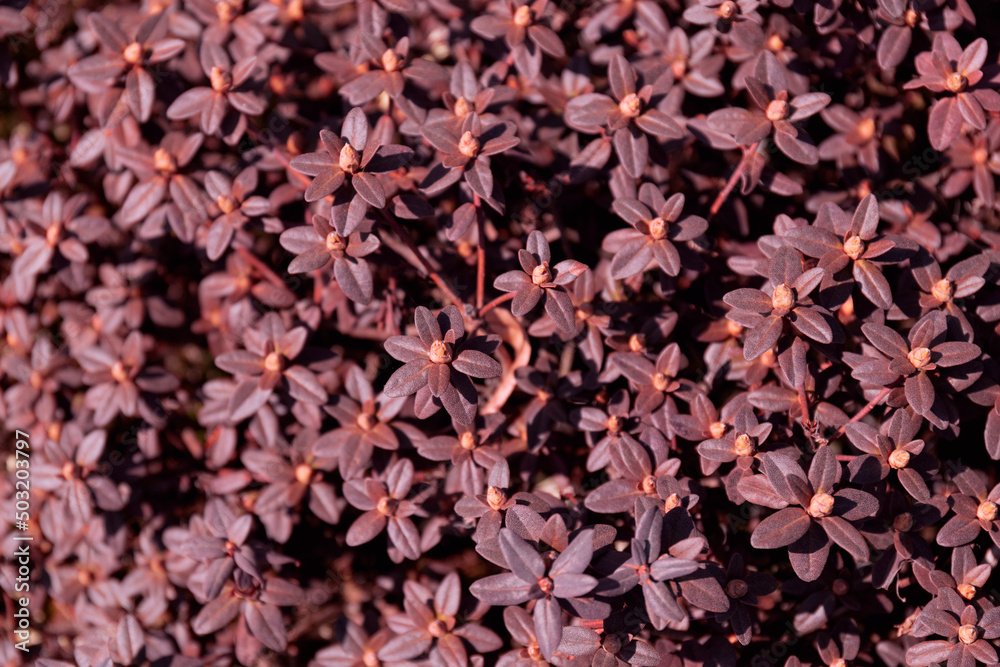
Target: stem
318, 286
865, 410
804, 405
405, 238
720, 199
265, 270
480, 253
496, 302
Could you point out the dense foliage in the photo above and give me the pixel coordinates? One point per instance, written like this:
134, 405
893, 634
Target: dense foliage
453, 333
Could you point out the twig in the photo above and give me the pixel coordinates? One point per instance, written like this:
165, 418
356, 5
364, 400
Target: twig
804, 406
513, 334
865, 410
480, 253
405, 238
318, 286
265, 270
720, 199
504, 298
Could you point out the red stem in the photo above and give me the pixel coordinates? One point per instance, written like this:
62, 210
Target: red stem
496, 302
720, 199
265, 270
865, 410
480, 253
425, 265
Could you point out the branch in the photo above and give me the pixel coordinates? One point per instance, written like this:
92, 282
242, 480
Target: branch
720, 199
504, 298
424, 264
480, 253
865, 410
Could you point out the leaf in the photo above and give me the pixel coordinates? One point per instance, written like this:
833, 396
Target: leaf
355, 129
217, 614
955, 353
781, 529
108, 32
661, 605
576, 557
589, 113
403, 535
521, 557
926, 653
577, 641
863, 436
920, 393
659, 124
824, 471
808, 104
368, 188
798, 146
325, 183
354, 278
570, 585
405, 646
408, 379
480, 178
477, 364
757, 490
763, 337
866, 218
452, 650
366, 528
140, 90
142, 199
303, 385
621, 77
992, 434
873, 283
935, 622
504, 590
854, 504
632, 258
129, 638
667, 568
893, 46
885, 340
809, 322
448, 596
847, 536
944, 123
958, 531
632, 149
810, 553
266, 624
406, 348
753, 300
667, 257
559, 307
812, 241
247, 399
548, 626
705, 592
589, 161
611, 497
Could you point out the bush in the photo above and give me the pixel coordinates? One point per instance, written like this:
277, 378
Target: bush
391, 333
